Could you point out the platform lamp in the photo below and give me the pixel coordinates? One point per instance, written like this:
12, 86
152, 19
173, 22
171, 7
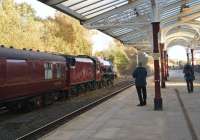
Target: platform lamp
130, 1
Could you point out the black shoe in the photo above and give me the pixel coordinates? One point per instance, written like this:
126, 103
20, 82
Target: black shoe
139, 104
145, 103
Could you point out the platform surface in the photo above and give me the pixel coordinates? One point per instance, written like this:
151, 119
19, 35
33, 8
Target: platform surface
120, 119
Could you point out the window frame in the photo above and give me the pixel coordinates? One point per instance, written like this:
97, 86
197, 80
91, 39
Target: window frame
48, 71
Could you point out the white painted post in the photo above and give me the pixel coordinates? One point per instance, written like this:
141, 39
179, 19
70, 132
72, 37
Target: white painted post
137, 57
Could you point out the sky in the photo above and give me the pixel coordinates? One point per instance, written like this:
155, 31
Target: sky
180, 53
177, 53
101, 41
41, 9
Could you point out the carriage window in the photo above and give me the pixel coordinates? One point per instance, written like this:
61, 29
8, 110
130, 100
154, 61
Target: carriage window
48, 71
72, 61
58, 71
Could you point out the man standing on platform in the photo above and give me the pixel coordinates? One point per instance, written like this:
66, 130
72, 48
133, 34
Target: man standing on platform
140, 74
189, 76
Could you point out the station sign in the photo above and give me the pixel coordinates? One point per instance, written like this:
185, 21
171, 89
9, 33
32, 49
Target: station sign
156, 56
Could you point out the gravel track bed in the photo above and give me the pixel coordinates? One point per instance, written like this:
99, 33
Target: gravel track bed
15, 125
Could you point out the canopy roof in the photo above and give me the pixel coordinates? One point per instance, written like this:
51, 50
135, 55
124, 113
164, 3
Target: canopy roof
129, 21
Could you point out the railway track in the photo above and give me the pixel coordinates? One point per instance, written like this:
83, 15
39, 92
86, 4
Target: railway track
3, 110
37, 133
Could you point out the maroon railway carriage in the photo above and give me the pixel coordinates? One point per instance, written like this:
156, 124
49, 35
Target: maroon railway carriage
25, 74
29, 78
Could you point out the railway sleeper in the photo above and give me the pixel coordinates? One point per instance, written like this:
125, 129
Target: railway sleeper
31, 103
50, 97
21, 106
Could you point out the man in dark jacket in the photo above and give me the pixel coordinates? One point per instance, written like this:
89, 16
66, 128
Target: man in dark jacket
189, 76
140, 74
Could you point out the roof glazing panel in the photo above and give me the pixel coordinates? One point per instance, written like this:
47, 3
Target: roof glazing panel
126, 20
171, 1
102, 7
171, 12
121, 31
193, 2
91, 8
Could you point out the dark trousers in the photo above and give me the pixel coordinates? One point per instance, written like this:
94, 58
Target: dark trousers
190, 85
142, 94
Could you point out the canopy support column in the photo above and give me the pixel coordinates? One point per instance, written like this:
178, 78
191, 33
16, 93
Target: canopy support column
167, 66
162, 59
188, 59
165, 58
192, 54
157, 99
137, 57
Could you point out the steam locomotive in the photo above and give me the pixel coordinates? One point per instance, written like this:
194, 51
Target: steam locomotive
33, 78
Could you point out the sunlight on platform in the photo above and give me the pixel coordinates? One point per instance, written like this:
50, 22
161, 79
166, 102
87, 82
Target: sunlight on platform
176, 78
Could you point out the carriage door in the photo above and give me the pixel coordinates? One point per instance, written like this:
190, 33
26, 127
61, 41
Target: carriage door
67, 72
2, 71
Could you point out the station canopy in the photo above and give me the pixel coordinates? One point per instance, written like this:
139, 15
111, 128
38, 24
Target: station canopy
129, 21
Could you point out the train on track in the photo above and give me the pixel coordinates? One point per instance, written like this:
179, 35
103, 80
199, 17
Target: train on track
33, 78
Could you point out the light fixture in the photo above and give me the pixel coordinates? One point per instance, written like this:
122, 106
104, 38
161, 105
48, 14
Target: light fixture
198, 19
184, 10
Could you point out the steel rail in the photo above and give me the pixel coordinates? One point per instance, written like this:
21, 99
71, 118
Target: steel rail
37, 133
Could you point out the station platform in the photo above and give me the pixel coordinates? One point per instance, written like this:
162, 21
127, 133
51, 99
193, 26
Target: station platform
120, 119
